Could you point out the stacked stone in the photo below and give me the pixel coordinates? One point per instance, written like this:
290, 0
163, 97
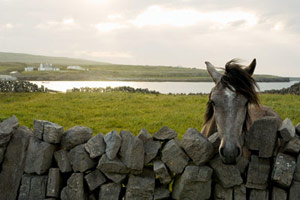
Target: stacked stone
20, 86
115, 89
272, 171
49, 163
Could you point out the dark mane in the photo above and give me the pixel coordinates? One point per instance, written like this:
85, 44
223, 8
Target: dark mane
240, 81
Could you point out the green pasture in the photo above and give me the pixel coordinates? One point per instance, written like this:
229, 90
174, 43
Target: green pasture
103, 112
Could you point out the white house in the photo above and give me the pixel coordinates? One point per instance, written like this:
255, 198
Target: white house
47, 67
75, 68
29, 68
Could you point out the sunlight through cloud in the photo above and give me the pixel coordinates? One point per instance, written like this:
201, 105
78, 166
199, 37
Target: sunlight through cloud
157, 15
106, 27
104, 54
68, 21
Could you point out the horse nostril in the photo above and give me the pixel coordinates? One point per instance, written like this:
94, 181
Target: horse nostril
238, 150
222, 151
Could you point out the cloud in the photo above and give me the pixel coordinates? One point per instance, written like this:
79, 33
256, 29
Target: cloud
157, 16
7, 26
164, 32
65, 24
103, 54
114, 16
106, 27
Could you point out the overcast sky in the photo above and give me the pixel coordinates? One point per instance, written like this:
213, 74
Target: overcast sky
157, 32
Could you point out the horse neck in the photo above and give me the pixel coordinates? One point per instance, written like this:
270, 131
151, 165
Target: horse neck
210, 127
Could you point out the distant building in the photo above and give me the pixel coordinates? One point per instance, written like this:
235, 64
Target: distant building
15, 73
47, 67
29, 68
75, 68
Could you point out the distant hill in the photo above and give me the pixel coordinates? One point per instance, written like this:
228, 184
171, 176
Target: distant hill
29, 58
100, 71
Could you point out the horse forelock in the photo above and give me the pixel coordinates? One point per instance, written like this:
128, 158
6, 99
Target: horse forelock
237, 79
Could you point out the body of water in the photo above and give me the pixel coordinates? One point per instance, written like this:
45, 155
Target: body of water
162, 87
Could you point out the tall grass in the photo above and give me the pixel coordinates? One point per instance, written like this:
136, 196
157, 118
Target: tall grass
103, 112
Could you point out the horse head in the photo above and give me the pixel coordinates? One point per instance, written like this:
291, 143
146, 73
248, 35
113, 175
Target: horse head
228, 106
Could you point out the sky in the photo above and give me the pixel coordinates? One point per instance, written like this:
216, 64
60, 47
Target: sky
157, 32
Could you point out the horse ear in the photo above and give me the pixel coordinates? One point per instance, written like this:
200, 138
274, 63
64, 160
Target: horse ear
215, 75
250, 69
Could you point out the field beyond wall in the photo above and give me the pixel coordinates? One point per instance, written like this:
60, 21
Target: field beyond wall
103, 112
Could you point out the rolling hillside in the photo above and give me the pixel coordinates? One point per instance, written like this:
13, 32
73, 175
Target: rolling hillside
100, 71
28, 58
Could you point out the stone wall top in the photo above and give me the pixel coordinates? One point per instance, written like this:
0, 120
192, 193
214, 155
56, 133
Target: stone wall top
49, 162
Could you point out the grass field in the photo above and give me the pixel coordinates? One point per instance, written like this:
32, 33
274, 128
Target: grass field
103, 112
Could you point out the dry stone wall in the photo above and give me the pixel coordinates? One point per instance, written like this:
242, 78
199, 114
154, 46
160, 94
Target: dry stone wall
50, 163
20, 86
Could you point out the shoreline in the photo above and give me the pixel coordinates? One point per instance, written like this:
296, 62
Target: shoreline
264, 80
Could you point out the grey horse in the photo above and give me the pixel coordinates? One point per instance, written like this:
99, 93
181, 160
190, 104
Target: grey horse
232, 107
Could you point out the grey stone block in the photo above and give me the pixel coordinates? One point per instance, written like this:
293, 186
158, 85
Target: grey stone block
33, 187
221, 193
94, 179
80, 159
239, 192
228, 175
74, 189
161, 172
161, 193
258, 173
292, 146
262, 136
197, 146
39, 156
62, 160
7, 127
92, 197
140, 187
283, 170
38, 128
113, 143
54, 183
287, 130
279, 194
259, 194
52, 133
242, 164
2, 152
95, 146
47, 131
174, 157
110, 191
112, 166
144, 135
132, 151
298, 128
194, 183
75, 136
215, 140
151, 149
294, 193
165, 133
13, 165
297, 170
117, 178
